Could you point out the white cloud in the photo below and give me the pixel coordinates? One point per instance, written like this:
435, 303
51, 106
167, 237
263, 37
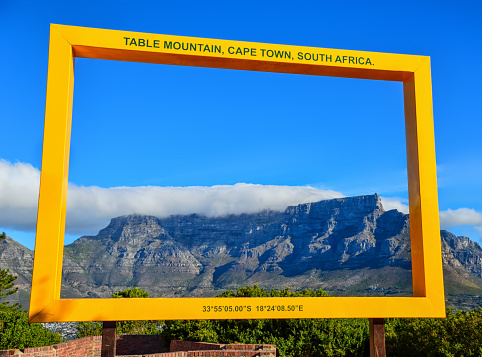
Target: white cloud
19, 187
98, 205
90, 208
397, 203
479, 229
460, 217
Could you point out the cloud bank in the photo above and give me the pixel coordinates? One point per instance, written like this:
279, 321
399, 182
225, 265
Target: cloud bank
460, 217
19, 187
91, 208
465, 217
100, 204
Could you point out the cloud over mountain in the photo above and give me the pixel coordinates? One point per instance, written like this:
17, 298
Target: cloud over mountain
90, 208
96, 204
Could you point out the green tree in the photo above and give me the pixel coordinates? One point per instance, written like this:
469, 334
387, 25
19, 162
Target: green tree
94, 328
6, 286
131, 293
6, 282
457, 335
88, 328
16, 332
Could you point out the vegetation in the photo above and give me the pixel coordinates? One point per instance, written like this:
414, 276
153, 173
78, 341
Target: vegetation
123, 327
15, 330
89, 328
293, 337
458, 335
6, 286
131, 293
6, 281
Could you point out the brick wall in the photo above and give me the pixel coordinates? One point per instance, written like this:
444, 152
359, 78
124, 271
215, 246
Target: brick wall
87, 346
220, 349
138, 345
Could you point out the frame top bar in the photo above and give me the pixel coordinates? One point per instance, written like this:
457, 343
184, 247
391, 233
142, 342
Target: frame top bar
203, 52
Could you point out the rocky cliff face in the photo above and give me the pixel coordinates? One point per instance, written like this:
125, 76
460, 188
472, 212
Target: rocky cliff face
348, 246
197, 255
461, 252
19, 260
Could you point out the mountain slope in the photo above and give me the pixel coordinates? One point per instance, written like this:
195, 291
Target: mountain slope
19, 260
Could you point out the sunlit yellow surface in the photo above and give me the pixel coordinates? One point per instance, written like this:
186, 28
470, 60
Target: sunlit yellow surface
68, 42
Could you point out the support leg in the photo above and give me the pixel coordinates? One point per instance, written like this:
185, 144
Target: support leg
108, 339
377, 338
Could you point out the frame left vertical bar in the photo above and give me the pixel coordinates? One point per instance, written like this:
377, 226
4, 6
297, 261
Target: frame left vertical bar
47, 272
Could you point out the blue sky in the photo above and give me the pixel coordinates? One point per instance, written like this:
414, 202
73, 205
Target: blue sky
281, 138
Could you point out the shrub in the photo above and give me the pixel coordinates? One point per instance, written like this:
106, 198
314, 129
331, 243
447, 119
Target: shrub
94, 328
16, 332
458, 335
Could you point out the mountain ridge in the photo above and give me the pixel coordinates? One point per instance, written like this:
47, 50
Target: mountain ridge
347, 246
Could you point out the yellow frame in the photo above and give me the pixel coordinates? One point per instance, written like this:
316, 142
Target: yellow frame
68, 42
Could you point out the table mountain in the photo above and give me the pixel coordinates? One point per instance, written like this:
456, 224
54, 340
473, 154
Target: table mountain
347, 246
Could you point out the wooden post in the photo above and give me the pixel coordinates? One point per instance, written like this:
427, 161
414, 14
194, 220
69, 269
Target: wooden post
108, 339
377, 338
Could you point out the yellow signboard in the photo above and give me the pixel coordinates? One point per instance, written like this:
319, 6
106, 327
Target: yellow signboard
68, 42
